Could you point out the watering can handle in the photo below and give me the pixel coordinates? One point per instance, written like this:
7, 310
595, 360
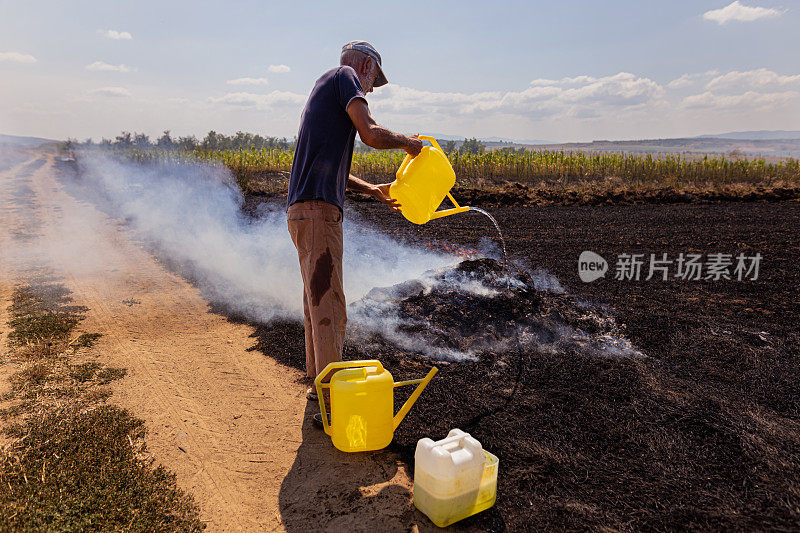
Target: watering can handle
408, 157
337, 366
432, 141
422, 383
403, 165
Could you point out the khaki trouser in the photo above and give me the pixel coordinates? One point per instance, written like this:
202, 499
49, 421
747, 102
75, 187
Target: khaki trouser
316, 230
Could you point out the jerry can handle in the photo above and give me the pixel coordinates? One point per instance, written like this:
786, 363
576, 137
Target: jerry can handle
423, 382
338, 365
447, 440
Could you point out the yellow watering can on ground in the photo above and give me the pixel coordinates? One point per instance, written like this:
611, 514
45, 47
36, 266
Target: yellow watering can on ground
422, 182
362, 404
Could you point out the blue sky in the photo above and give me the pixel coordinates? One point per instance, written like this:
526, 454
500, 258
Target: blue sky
563, 71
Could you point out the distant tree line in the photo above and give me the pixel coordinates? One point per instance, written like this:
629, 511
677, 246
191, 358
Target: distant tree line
467, 146
474, 146
212, 141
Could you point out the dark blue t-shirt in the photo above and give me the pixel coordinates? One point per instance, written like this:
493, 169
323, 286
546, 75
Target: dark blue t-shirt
324, 148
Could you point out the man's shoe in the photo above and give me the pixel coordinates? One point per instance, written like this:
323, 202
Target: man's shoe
311, 394
317, 421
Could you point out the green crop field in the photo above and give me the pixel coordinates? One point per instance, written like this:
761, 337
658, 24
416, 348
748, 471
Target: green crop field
266, 170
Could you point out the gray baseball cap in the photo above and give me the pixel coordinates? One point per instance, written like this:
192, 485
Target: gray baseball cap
366, 48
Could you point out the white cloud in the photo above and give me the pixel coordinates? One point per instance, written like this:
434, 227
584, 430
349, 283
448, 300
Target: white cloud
582, 96
749, 100
16, 57
279, 69
578, 80
248, 81
114, 34
623, 89
684, 81
261, 102
406, 100
741, 13
687, 80
759, 78
596, 106
100, 66
757, 91
110, 92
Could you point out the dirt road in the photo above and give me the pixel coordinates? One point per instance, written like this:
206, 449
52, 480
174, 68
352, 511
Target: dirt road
231, 423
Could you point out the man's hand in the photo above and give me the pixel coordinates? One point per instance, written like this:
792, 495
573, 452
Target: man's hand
381, 192
414, 146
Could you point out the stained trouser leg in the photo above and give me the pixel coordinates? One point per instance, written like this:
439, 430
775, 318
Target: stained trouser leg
300, 222
328, 310
311, 366
316, 229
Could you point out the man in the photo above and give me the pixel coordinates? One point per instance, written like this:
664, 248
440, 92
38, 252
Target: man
335, 109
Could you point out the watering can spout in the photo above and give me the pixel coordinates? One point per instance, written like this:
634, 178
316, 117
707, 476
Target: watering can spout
453, 211
422, 383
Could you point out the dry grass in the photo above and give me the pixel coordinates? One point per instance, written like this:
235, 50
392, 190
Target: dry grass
74, 463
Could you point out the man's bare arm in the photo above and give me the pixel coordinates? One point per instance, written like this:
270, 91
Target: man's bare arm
359, 185
380, 192
377, 136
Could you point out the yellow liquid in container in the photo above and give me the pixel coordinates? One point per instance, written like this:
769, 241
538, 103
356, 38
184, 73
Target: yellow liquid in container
421, 184
362, 404
454, 478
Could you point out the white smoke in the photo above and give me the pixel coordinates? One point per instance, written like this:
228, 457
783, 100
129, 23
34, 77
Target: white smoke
192, 216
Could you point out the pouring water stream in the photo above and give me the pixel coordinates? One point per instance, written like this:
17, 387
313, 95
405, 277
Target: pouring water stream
500, 233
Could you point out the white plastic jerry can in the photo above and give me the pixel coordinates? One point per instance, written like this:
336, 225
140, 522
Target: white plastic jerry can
453, 478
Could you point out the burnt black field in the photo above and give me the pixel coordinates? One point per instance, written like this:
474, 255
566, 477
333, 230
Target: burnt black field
699, 429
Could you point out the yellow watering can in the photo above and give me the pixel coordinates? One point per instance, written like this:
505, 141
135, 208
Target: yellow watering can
422, 182
362, 404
